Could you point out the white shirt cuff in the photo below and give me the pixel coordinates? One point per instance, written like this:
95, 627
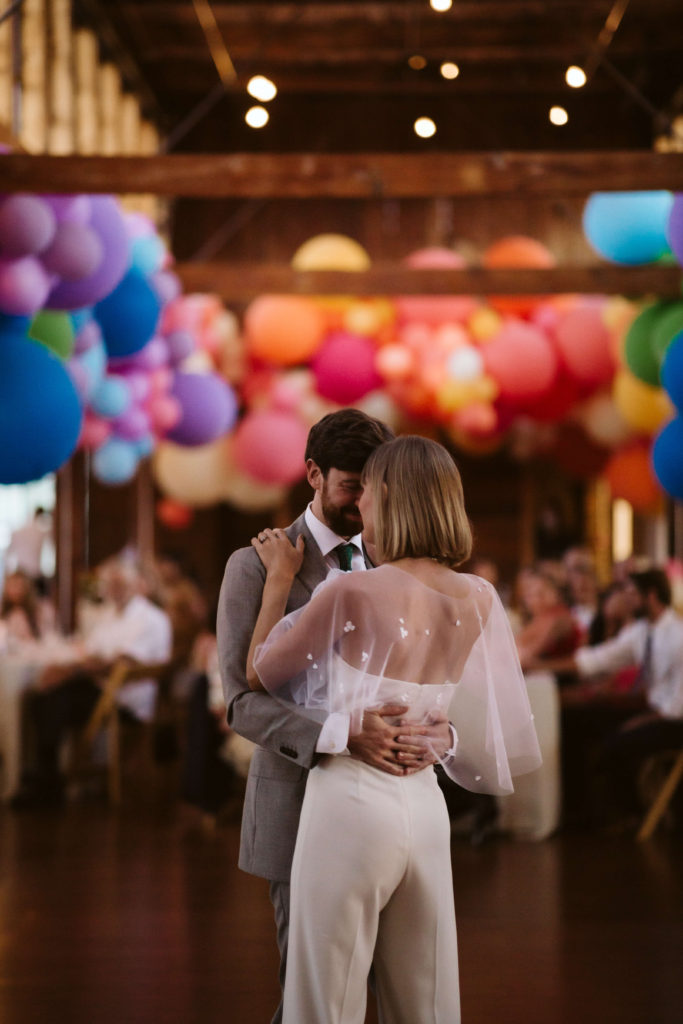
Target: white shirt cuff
334, 735
454, 742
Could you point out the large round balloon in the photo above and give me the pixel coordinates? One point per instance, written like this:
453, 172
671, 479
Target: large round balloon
76, 251
642, 406
521, 360
517, 252
344, 368
27, 225
40, 414
115, 462
672, 371
54, 330
24, 286
209, 408
602, 420
330, 252
194, 476
283, 329
666, 458
129, 315
628, 227
585, 346
106, 220
638, 351
435, 309
675, 227
667, 327
269, 446
629, 475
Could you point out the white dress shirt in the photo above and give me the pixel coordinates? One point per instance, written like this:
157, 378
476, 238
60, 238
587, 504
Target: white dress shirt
665, 683
141, 631
334, 734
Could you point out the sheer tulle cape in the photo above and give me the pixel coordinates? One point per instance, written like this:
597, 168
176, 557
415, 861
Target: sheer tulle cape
382, 636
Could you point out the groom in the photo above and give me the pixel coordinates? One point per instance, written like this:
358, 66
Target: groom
289, 744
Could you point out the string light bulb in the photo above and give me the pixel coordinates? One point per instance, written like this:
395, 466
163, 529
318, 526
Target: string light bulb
441, 5
575, 76
417, 62
449, 70
261, 88
257, 117
558, 115
424, 127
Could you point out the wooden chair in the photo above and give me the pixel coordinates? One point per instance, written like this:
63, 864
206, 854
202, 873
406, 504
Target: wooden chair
662, 799
105, 717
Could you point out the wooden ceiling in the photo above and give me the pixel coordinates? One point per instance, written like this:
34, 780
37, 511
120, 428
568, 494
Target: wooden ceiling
344, 83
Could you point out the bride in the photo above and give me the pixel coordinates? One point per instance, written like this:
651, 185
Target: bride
371, 878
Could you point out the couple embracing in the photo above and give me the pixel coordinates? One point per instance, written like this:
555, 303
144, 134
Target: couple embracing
356, 657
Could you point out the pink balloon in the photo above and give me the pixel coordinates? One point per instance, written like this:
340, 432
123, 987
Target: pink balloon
521, 360
344, 368
24, 286
584, 344
134, 424
75, 252
73, 208
269, 446
27, 225
95, 432
435, 309
165, 411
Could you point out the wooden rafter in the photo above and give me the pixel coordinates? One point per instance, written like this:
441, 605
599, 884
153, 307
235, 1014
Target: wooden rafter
353, 176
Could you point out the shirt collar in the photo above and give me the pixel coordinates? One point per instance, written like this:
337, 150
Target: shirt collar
326, 539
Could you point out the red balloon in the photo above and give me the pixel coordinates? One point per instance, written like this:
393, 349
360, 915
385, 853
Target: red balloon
344, 368
522, 361
174, 514
585, 345
630, 476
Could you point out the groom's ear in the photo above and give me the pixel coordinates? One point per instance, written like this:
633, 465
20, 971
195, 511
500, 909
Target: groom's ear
314, 475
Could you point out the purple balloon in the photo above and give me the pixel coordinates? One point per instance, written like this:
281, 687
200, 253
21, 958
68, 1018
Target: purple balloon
209, 408
180, 345
107, 222
133, 424
73, 208
27, 225
138, 385
24, 286
675, 227
76, 251
151, 356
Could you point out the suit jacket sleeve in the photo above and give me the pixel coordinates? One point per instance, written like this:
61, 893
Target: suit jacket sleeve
255, 715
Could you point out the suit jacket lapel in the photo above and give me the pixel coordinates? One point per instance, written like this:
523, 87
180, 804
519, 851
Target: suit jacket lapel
314, 568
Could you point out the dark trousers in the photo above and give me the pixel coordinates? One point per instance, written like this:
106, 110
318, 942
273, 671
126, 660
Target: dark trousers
622, 754
208, 781
55, 713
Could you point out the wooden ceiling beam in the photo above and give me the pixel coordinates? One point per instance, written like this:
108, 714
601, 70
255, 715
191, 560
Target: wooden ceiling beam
241, 282
352, 176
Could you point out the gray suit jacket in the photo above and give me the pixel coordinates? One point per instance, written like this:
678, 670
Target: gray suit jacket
286, 740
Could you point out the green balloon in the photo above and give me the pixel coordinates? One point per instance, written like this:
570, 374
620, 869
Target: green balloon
638, 351
666, 329
55, 331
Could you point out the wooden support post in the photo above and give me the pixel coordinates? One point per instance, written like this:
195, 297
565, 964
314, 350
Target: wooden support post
33, 127
109, 108
60, 80
6, 76
86, 92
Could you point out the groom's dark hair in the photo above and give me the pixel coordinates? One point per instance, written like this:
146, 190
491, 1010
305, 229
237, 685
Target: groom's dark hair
345, 440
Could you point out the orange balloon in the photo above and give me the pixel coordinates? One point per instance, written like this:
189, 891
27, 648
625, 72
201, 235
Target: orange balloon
174, 514
517, 252
630, 476
283, 329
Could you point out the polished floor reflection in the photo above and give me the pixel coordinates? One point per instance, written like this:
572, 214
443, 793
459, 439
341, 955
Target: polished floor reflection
133, 917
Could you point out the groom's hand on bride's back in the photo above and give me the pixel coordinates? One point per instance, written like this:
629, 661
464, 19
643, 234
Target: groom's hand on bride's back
396, 749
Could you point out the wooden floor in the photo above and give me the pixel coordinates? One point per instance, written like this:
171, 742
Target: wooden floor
123, 918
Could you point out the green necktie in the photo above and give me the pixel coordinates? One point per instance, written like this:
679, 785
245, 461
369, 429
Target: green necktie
345, 555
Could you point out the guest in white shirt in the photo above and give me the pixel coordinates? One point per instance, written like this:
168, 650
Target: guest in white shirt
67, 693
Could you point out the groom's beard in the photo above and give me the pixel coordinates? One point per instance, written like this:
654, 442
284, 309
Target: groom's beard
344, 520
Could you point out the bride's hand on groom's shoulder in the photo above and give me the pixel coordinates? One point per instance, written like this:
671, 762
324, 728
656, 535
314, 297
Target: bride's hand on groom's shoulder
278, 554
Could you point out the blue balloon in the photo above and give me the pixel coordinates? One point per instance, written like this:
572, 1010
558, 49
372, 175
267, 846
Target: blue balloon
147, 254
144, 446
115, 462
672, 371
111, 398
628, 227
129, 316
94, 364
80, 317
40, 413
667, 458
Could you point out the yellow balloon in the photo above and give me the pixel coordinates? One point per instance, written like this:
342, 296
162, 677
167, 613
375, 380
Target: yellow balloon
484, 323
368, 317
196, 476
331, 252
643, 407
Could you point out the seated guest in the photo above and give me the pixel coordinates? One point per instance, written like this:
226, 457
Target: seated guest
649, 718
549, 630
25, 616
182, 600
66, 693
582, 583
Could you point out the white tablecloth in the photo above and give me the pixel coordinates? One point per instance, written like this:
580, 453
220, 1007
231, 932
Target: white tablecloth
533, 810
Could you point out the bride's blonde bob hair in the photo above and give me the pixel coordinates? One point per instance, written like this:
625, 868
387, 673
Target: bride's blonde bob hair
418, 504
